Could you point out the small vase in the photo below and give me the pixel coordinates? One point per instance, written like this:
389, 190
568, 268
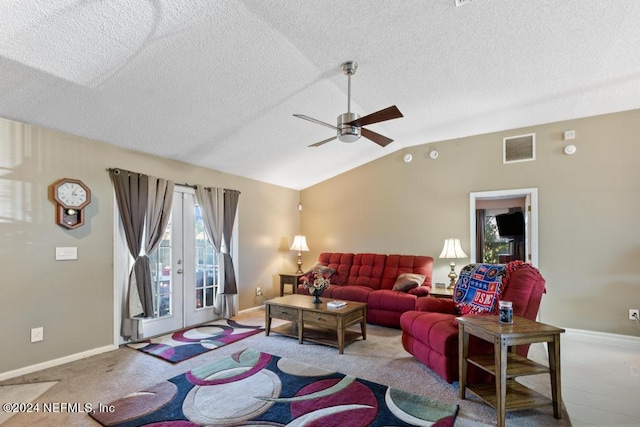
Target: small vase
316, 296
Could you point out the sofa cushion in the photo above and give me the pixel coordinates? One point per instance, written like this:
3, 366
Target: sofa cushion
366, 270
340, 262
479, 288
420, 291
398, 264
349, 293
386, 299
407, 281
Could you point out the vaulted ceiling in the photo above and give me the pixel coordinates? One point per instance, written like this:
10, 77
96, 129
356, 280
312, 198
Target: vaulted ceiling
216, 83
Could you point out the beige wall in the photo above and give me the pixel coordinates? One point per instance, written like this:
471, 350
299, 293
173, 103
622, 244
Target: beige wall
73, 300
589, 204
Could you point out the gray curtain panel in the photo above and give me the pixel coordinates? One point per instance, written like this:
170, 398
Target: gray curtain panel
219, 208
211, 202
230, 289
144, 204
230, 208
131, 191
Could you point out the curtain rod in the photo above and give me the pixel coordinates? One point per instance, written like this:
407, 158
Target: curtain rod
176, 183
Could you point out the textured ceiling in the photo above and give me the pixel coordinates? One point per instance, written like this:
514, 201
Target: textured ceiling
215, 83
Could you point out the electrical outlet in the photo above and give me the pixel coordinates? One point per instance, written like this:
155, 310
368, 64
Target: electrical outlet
634, 314
258, 292
37, 334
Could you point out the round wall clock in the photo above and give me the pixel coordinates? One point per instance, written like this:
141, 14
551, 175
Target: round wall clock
71, 197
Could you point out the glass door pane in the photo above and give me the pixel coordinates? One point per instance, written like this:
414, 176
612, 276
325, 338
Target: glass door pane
161, 276
202, 289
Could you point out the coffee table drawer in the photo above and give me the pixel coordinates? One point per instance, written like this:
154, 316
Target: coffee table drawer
319, 318
286, 313
356, 316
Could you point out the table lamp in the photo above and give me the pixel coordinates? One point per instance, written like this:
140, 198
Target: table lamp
452, 250
299, 244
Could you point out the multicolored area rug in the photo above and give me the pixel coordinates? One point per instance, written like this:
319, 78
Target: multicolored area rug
252, 388
188, 343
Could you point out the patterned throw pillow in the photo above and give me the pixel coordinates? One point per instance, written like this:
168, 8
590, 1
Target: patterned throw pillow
408, 281
479, 288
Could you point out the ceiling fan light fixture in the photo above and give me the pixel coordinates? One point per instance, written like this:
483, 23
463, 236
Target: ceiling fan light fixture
349, 137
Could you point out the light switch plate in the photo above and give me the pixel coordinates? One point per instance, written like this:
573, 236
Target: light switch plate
37, 334
66, 253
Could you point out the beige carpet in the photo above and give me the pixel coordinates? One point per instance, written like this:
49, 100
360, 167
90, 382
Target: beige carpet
106, 377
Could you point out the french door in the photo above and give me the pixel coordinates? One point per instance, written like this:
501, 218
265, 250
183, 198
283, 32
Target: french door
184, 270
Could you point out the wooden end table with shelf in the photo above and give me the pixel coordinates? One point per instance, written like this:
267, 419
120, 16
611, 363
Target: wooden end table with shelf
289, 279
439, 292
506, 393
316, 322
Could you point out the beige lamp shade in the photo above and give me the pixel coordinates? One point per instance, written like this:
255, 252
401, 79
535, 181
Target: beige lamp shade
451, 250
299, 243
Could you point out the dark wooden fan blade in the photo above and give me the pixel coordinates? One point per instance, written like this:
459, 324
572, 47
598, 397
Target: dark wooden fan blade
311, 119
381, 140
324, 141
388, 113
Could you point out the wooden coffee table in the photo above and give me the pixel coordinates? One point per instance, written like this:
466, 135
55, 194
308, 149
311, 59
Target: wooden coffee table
506, 393
316, 322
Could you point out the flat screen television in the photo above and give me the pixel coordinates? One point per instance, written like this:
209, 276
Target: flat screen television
511, 225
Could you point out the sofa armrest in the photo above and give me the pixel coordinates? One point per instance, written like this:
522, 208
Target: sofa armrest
437, 305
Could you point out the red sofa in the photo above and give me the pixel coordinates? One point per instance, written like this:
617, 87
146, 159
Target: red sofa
430, 333
370, 278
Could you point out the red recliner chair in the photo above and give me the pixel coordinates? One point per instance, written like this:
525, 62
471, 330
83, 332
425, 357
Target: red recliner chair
430, 333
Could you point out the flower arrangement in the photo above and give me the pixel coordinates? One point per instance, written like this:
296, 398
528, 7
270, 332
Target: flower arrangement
320, 282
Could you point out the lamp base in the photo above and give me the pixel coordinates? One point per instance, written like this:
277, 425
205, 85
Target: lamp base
452, 276
299, 271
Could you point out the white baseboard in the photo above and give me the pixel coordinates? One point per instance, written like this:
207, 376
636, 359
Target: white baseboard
56, 362
625, 341
249, 310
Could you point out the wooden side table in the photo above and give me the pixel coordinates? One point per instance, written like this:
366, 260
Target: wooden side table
507, 394
441, 292
289, 279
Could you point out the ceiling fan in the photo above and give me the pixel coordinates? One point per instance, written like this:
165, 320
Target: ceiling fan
350, 125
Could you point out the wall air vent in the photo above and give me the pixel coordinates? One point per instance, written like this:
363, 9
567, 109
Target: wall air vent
521, 148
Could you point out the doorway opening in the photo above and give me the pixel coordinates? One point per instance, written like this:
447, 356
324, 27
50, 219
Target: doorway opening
515, 213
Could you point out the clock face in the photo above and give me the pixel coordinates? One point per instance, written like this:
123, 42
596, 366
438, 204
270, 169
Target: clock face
71, 194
